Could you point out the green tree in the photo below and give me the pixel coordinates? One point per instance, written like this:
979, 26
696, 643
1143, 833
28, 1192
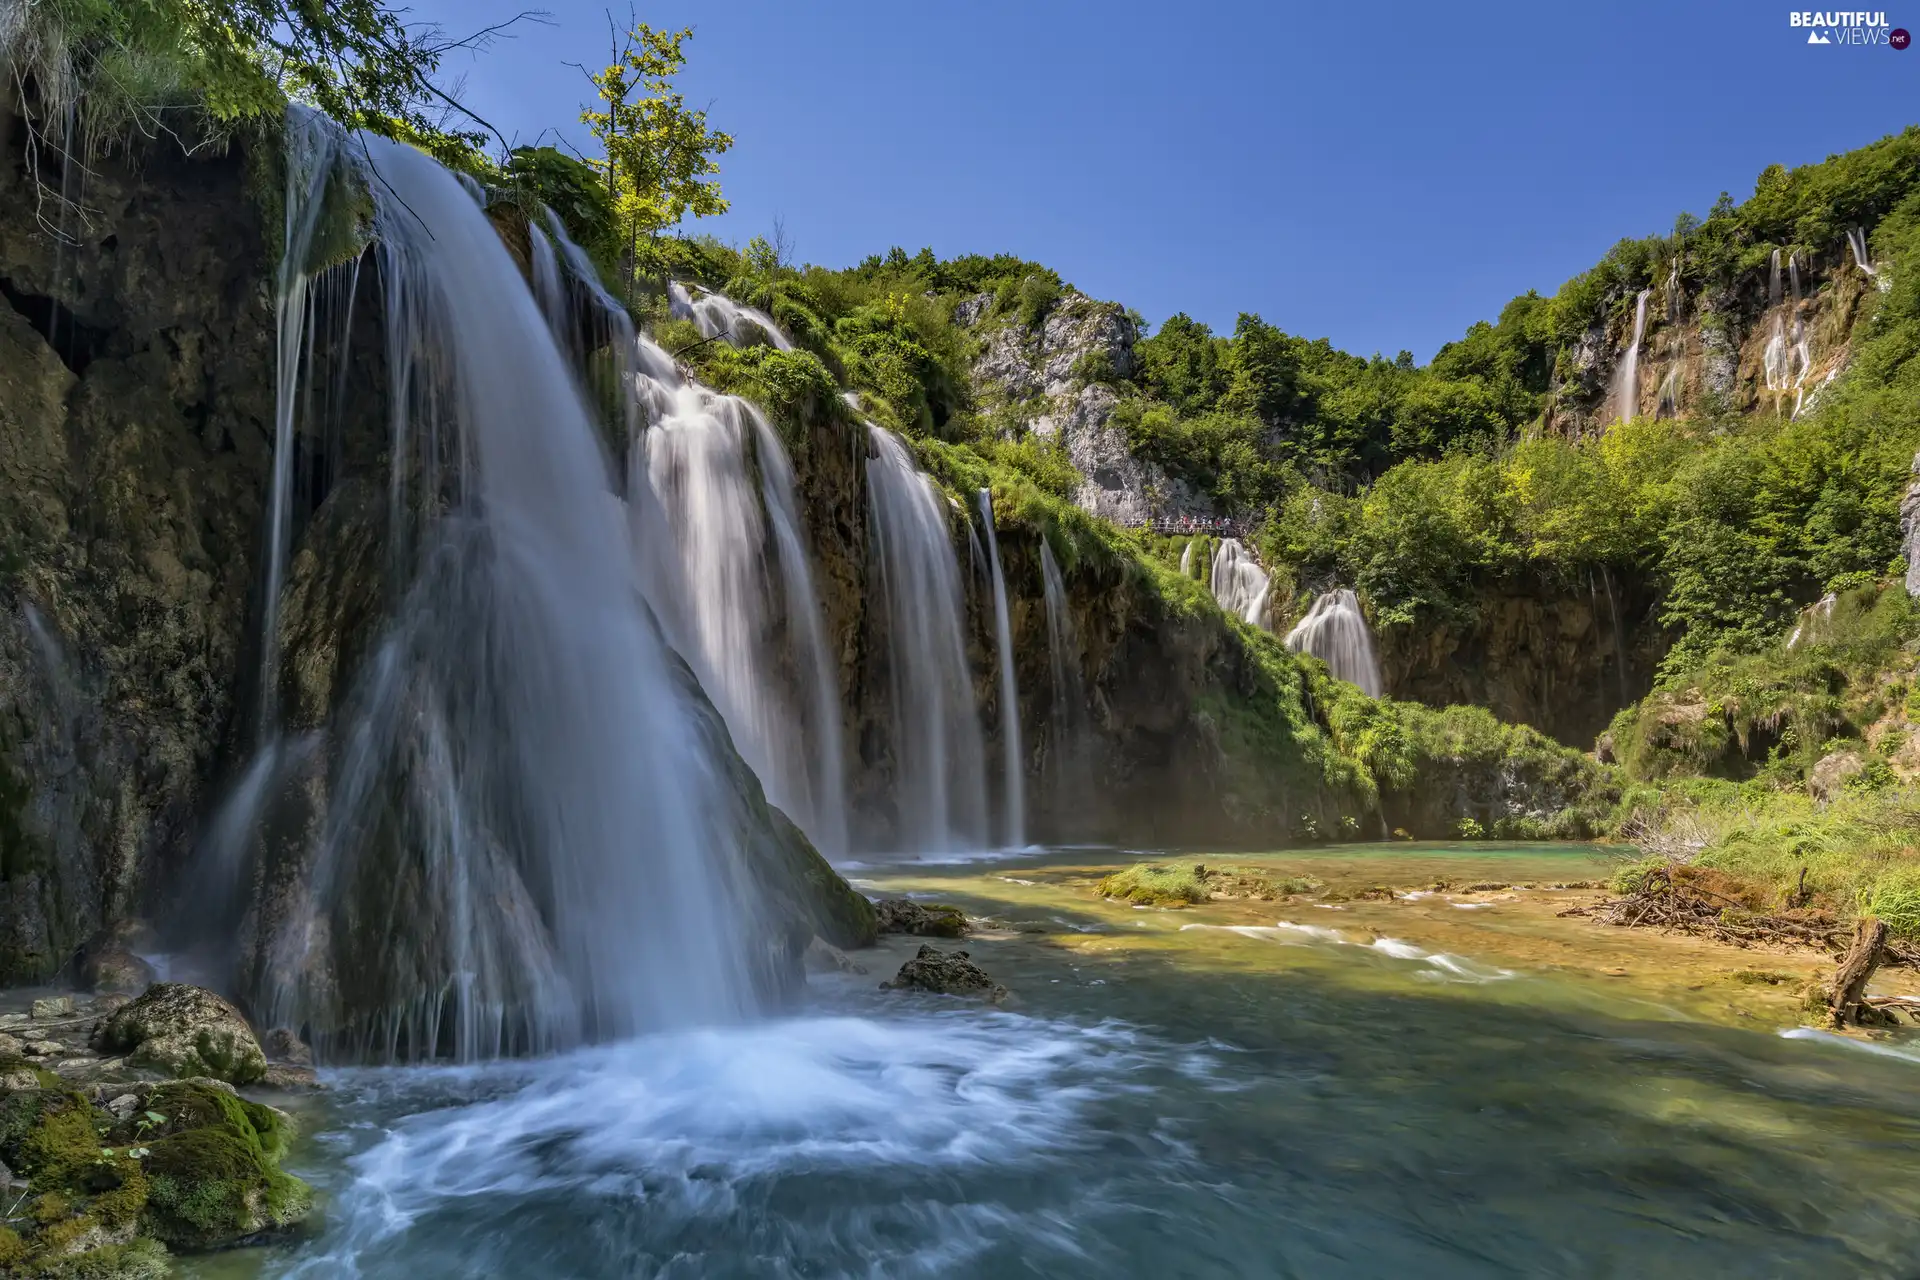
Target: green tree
660, 153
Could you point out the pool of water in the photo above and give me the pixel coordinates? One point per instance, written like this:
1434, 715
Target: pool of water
1235, 1090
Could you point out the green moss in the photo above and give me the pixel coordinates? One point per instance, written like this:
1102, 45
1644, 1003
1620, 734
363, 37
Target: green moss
1156, 886
215, 1186
140, 1259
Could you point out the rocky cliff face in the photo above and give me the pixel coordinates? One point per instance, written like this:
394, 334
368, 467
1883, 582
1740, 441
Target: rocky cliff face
136, 410
1708, 353
1056, 380
1563, 661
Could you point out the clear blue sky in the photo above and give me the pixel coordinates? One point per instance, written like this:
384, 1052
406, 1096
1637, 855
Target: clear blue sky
1379, 174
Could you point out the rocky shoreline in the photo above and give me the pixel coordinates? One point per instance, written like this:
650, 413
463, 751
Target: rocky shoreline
123, 1134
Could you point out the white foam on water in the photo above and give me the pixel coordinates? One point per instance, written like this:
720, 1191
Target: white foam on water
711, 1133
1438, 963
1848, 1042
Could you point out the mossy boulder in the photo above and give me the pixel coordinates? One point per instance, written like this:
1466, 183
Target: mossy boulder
185, 1031
191, 1165
903, 915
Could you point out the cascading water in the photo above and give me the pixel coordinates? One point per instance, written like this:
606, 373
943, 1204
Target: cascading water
1239, 584
1626, 378
938, 753
1069, 739
1336, 632
1862, 258
1785, 362
1015, 781
1186, 559
718, 316
529, 833
1802, 359
740, 600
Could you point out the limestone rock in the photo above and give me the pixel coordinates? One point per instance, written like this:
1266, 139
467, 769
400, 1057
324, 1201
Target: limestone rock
947, 973
53, 1007
186, 1031
1833, 772
902, 915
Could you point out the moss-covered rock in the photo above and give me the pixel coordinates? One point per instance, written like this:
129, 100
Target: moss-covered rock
186, 1031
191, 1164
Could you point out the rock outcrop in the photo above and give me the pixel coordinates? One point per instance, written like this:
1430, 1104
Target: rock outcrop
136, 410
947, 973
902, 915
1058, 380
184, 1031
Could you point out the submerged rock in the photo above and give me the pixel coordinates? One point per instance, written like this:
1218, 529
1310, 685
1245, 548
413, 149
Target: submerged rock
900, 915
947, 973
186, 1031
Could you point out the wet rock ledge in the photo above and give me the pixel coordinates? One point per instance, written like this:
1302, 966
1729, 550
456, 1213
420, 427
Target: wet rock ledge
123, 1137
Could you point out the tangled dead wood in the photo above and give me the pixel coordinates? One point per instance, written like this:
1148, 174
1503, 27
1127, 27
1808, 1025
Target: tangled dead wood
1694, 900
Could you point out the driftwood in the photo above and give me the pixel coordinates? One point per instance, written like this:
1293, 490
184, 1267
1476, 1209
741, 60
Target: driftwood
1850, 979
1669, 898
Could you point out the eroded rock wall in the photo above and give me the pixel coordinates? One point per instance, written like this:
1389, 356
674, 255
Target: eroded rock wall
136, 410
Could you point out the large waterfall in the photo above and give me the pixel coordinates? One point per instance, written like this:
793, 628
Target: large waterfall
1336, 632
1240, 585
1626, 378
938, 754
1015, 768
528, 833
743, 606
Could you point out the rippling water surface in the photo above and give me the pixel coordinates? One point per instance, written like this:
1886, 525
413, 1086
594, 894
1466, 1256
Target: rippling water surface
1285, 1099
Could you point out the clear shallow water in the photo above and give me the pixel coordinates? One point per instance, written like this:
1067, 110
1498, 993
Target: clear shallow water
1191, 1108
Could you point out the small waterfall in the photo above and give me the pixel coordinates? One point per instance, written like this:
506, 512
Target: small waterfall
1336, 632
718, 316
1673, 287
1626, 378
739, 599
939, 772
529, 833
1862, 258
1015, 783
1067, 722
1186, 559
1239, 584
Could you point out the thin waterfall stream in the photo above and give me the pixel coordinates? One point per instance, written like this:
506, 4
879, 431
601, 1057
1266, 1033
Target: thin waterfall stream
1014, 784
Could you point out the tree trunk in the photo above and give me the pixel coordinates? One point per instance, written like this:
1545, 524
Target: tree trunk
1850, 980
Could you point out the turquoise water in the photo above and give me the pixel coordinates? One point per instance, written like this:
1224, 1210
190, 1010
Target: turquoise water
1139, 1111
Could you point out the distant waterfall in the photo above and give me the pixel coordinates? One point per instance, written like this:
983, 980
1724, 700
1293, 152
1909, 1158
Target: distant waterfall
1857, 241
528, 836
1186, 559
1626, 378
742, 604
1015, 782
1336, 632
1240, 585
718, 316
939, 769
1068, 737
